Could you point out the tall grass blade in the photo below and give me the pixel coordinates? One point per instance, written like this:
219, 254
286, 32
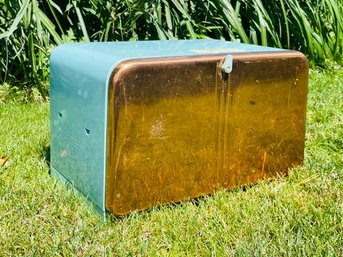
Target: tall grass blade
48, 25
335, 12
81, 21
16, 20
168, 15
52, 7
266, 25
285, 19
232, 19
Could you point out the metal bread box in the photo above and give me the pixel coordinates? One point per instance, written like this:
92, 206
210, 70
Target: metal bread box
136, 124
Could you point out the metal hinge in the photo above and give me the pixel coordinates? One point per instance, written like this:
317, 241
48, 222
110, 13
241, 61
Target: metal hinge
227, 65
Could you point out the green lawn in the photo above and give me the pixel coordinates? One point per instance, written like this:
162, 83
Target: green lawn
297, 215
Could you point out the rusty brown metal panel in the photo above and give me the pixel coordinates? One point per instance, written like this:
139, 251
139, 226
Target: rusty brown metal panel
179, 128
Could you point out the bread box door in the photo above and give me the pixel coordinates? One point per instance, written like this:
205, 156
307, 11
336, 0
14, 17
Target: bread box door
182, 127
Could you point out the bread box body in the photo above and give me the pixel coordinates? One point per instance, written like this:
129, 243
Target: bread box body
136, 124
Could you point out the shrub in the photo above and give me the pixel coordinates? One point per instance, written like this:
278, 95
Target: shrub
29, 29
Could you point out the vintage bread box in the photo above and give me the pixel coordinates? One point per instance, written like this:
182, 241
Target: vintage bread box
136, 124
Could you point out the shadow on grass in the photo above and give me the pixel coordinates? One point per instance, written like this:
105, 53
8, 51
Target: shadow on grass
165, 207
45, 153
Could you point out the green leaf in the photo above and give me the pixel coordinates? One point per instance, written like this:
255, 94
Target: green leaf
81, 21
48, 25
16, 20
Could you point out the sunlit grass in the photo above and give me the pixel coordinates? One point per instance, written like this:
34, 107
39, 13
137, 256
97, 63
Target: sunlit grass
297, 215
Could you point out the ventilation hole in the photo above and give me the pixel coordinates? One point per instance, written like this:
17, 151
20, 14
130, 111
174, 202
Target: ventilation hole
87, 131
60, 115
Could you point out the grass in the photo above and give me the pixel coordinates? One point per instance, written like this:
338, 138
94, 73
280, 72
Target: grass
297, 215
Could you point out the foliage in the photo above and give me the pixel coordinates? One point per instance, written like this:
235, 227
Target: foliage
29, 29
25, 38
297, 215
25, 93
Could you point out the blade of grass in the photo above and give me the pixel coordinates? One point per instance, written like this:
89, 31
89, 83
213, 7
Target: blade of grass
232, 18
285, 18
16, 20
336, 14
53, 6
81, 21
167, 15
48, 25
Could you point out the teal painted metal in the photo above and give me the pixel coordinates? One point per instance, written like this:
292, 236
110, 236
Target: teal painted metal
80, 74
